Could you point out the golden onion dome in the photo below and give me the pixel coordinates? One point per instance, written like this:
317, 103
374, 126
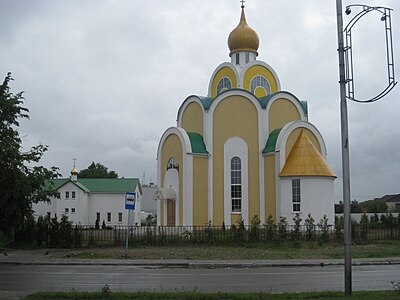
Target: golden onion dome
74, 171
243, 37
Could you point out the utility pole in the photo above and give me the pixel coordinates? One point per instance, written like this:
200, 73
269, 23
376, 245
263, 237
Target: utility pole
345, 154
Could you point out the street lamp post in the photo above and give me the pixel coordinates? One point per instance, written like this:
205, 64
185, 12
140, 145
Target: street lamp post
345, 153
346, 81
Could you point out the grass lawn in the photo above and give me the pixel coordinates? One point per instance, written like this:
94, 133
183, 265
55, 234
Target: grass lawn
387, 295
287, 250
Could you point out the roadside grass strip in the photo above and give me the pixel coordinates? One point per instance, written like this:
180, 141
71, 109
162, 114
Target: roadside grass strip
194, 295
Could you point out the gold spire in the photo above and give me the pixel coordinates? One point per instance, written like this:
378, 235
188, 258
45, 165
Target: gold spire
243, 37
305, 160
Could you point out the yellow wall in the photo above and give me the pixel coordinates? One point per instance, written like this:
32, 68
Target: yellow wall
282, 111
173, 147
293, 138
270, 186
235, 116
235, 218
200, 191
259, 70
192, 118
223, 72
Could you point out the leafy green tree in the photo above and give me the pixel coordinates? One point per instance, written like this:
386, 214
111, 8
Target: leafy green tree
97, 170
282, 228
296, 232
310, 227
22, 180
270, 227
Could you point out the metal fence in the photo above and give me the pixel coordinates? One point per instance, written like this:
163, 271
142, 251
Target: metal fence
165, 235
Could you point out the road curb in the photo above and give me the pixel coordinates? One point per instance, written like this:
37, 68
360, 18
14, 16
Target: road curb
199, 265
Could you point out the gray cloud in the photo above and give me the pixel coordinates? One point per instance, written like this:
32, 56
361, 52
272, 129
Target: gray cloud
104, 79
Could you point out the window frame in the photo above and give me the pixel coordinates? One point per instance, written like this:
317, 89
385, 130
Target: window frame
108, 217
236, 187
223, 84
260, 81
120, 217
66, 194
73, 195
66, 210
173, 163
296, 195
98, 215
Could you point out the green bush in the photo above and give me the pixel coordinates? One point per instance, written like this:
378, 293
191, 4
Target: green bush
310, 227
282, 228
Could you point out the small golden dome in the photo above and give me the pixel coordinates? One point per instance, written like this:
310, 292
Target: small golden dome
243, 37
74, 171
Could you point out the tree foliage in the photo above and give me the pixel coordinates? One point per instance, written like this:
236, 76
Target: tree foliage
97, 170
22, 180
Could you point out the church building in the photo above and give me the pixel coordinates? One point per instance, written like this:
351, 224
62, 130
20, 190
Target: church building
244, 150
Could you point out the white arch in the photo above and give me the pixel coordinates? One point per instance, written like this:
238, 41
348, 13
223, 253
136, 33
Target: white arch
236, 147
187, 175
284, 135
290, 97
224, 64
184, 105
262, 139
263, 64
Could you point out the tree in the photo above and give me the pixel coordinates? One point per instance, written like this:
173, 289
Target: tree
22, 180
97, 170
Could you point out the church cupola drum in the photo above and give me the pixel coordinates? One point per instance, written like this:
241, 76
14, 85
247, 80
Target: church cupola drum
245, 149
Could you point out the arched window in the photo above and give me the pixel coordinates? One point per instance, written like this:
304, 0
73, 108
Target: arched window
236, 184
223, 85
260, 81
173, 164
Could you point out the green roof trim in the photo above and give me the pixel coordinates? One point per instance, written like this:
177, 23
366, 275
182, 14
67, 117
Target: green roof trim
271, 142
207, 101
264, 100
98, 185
197, 143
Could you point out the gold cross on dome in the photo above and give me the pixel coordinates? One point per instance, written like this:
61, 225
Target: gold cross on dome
243, 1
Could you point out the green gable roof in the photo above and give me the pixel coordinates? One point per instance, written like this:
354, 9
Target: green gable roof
98, 185
271, 142
197, 143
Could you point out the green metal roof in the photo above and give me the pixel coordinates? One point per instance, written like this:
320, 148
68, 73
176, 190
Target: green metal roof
271, 142
99, 185
264, 101
197, 143
55, 184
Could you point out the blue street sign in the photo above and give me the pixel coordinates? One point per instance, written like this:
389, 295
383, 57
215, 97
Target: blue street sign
130, 200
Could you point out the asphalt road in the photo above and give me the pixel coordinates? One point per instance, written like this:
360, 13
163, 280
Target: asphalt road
31, 278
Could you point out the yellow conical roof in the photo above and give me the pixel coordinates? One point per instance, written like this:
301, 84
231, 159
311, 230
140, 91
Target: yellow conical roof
243, 37
305, 160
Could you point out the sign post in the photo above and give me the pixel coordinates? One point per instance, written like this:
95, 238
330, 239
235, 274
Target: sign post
130, 201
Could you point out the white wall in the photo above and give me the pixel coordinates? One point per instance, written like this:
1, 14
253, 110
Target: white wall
317, 198
87, 204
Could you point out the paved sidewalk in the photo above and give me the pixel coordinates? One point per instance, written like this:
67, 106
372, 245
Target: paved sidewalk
38, 257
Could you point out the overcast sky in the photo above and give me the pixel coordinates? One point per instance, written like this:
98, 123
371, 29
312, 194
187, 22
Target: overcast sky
103, 79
